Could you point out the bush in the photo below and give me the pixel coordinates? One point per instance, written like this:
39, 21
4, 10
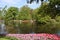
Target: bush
52, 26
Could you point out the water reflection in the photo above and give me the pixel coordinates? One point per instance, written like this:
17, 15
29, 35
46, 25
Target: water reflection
19, 27
58, 32
2, 28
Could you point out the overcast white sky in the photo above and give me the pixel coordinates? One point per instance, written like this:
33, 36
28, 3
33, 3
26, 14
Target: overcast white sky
18, 3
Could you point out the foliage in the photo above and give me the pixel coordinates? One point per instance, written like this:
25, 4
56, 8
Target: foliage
11, 13
47, 18
24, 13
25, 28
50, 27
2, 13
37, 1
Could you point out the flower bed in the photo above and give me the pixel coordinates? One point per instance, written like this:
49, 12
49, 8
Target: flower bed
35, 36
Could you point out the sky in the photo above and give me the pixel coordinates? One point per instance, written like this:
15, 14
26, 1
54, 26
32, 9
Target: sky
18, 3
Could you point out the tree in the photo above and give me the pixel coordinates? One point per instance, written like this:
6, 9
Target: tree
10, 16
24, 13
11, 13
45, 18
2, 13
52, 8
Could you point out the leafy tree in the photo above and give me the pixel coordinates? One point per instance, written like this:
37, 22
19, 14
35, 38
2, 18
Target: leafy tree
11, 13
2, 13
45, 17
49, 9
35, 13
25, 27
24, 13
10, 16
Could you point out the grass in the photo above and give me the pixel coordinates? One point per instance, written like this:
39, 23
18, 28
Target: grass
8, 38
3, 39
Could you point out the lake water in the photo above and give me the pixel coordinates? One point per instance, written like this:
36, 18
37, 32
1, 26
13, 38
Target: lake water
3, 29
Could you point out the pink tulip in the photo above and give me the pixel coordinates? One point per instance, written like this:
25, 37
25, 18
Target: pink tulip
42, 36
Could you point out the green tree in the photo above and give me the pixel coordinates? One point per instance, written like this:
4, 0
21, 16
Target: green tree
52, 8
2, 13
49, 9
10, 16
11, 13
24, 13
45, 17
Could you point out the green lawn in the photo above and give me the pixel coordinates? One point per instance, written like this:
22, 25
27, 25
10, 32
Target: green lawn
4, 39
8, 38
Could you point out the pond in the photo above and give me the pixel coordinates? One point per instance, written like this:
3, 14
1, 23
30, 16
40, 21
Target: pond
19, 28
